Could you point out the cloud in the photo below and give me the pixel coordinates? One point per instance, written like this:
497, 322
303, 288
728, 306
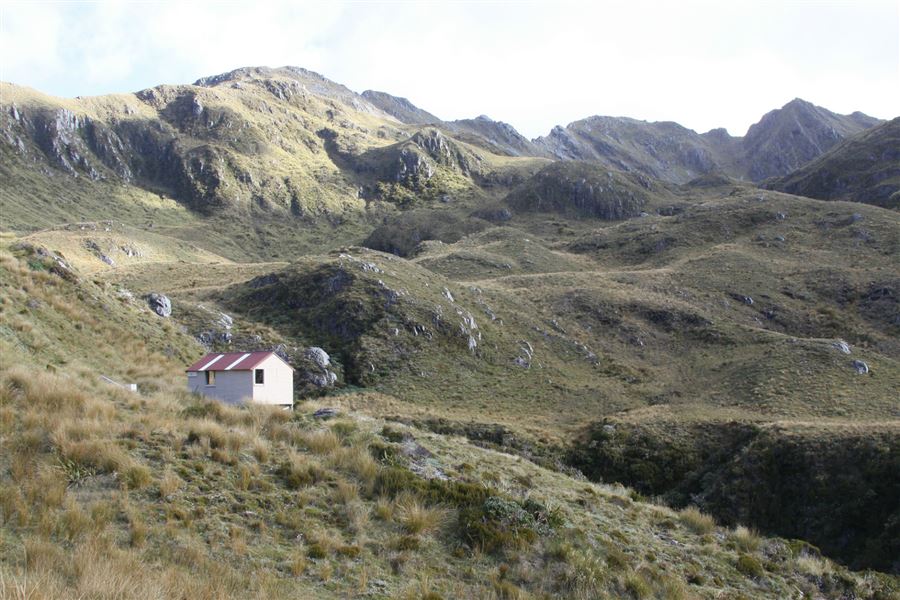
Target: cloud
533, 64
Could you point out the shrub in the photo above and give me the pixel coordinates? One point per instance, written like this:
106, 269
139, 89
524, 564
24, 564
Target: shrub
316, 550
497, 524
392, 435
749, 566
383, 453
350, 551
405, 543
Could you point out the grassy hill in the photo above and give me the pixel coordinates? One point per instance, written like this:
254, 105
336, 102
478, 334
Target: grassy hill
110, 493
527, 352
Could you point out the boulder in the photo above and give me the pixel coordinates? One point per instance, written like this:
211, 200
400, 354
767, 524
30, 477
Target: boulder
318, 356
160, 304
742, 298
325, 413
841, 346
861, 367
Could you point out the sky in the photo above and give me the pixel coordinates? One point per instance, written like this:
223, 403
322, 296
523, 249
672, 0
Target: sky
704, 64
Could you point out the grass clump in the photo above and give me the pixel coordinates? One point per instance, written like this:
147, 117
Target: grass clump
297, 472
745, 539
696, 521
417, 518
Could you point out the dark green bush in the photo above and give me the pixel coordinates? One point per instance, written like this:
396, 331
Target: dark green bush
749, 566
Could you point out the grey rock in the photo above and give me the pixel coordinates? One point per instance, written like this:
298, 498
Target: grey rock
322, 380
325, 413
319, 357
160, 304
225, 321
108, 260
861, 367
842, 346
742, 298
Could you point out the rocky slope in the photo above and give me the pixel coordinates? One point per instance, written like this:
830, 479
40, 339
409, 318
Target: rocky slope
863, 168
783, 140
584, 190
787, 138
665, 150
401, 109
496, 136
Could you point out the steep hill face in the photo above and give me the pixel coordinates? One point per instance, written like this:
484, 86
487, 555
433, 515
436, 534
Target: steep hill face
780, 142
267, 143
665, 150
239, 141
863, 168
793, 135
585, 190
400, 108
496, 136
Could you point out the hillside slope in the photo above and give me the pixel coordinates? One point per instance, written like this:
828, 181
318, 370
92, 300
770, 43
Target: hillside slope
863, 168
494, 320
110, 493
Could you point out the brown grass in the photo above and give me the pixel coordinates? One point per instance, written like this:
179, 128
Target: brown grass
416, 518
696, 521
323, 441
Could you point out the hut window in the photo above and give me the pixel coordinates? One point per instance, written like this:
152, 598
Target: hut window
259, 376
210, 377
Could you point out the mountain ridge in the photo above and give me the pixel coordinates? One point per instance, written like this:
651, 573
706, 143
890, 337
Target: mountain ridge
205, 144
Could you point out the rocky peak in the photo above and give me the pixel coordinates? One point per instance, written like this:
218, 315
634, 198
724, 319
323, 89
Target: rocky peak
285, 82
789, 137
432, 141
400, 108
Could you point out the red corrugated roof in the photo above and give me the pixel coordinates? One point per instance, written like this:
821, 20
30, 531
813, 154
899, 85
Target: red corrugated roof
231, 361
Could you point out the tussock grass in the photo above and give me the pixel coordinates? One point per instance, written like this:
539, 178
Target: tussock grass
158, 495
323, 441
298, 471
356, 461
416, 518
696, 521
169, 483
103, 455
745, 539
